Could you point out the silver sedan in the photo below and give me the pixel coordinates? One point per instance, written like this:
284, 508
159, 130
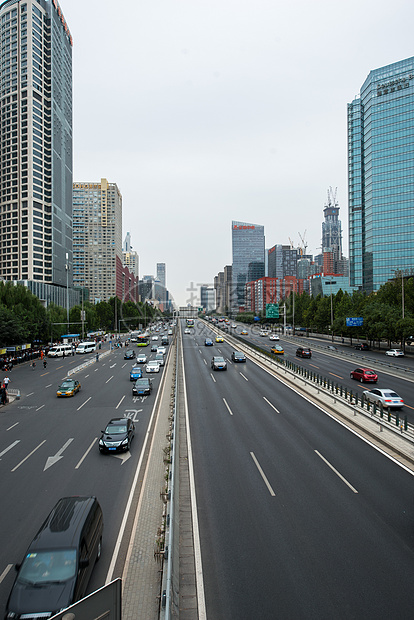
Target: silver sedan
388, 398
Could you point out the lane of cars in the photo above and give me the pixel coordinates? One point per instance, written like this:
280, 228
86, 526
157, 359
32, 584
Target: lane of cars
387, 396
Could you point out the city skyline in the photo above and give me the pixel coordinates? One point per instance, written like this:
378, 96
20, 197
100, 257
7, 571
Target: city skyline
252, 128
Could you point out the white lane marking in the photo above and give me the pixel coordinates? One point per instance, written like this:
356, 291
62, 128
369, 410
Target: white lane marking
10, 427
5, 572
39, 408
265, 480
29, 455
113, 365
86, 401
336, 472
213, 377
202, 612
124, 457
55, 458
120, 402
269, 403
132, 414
50, 385
109, 379
228, 408
86, 454
205, 361
244, 376
86, 376
30, 394
9, 447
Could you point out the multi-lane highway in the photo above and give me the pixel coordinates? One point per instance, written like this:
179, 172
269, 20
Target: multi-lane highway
49, 449
298, 516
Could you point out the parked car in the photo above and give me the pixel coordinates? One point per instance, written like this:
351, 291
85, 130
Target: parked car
69, 387
59, 562
208, 342
238, 356
303, 352
362, 346
142, 387
117, 436
364, 375
386, 396
395, 353
218, 363
135, 373
129, 354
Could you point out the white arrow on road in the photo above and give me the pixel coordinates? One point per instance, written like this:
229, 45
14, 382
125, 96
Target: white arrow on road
124, 457
54, 459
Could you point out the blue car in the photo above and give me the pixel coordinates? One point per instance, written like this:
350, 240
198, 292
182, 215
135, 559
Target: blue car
136, 373
208, 342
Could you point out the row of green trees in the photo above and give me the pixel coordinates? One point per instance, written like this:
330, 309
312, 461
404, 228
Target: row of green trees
387, 314
24, 319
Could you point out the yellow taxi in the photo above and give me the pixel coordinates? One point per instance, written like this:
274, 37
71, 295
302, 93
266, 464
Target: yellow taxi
69, 387
278, 350
219, 339
244, 332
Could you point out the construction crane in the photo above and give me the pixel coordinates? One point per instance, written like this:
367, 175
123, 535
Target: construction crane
332, 201
304, 246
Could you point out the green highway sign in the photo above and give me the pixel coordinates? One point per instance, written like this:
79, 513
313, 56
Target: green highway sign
272, 311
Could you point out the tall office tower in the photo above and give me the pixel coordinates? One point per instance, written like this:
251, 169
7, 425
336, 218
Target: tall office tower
36, 142
282, 261
248, 246
161, 274
381, 176
130, 258
97, 239
331, 227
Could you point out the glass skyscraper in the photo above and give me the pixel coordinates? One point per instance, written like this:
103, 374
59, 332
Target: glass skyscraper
381, 176
248, 245
36, 142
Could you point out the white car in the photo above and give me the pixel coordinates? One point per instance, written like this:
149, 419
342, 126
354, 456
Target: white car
273, 337
152, 366
161, 350
263, 333
395, 353
154, 338
141, 358
387, 397
187, 331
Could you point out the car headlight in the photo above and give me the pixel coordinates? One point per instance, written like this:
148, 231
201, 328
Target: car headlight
101, 442
125, 441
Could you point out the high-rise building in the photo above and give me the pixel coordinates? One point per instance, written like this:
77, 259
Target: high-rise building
207, 298
161, 274
248, 246
36, 143
282, 261
381, 176
97, 239
130, 258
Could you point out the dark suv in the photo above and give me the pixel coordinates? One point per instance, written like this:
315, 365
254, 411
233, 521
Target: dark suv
362, 346
303, 352
58, 564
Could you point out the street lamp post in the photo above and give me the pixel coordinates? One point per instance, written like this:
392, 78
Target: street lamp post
67, 289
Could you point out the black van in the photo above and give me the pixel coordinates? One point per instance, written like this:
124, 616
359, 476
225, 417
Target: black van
58, 564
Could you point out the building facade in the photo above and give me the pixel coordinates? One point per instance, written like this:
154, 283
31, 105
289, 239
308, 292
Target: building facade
381, 176
248, 247
97, 239
208, 298
282, 261
36, 142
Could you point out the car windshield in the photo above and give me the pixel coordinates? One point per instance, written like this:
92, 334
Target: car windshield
66, 385
219, 359
142, 382
369, 372
47, 566
116, 429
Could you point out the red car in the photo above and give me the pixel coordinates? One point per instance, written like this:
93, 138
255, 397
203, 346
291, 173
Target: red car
364, 375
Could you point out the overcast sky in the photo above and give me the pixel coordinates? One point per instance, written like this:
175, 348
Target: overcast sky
204, 112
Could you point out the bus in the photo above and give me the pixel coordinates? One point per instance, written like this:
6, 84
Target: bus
142, 341
190, 322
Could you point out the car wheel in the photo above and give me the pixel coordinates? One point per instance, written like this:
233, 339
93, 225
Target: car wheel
351, 376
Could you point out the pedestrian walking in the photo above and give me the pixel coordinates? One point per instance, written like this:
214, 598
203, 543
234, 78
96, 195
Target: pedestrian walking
3, 394
97, 357
44, 363
6, 382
